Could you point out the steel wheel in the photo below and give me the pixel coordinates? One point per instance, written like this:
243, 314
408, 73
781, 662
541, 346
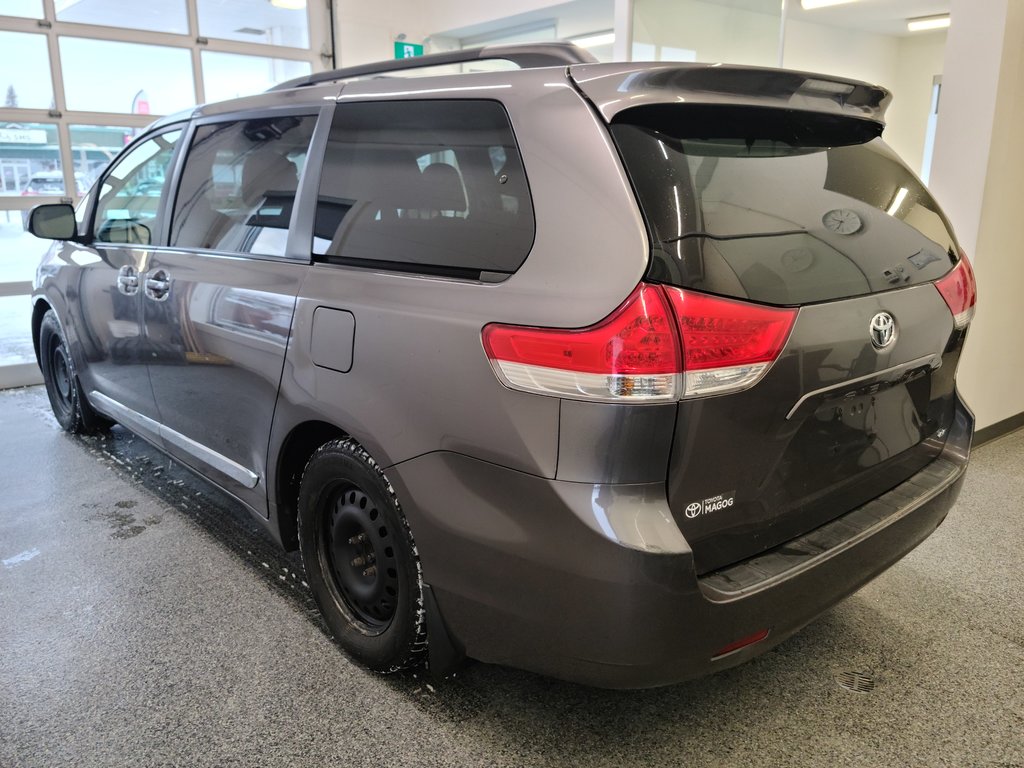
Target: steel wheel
69, 405
360, 558
60, 370
362, 561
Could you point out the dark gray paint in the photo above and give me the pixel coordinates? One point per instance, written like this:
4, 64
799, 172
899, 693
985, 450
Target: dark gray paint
614, 87
108, 326
589, 576
603, 443
623, 617
863, 432
219, 345
332, 338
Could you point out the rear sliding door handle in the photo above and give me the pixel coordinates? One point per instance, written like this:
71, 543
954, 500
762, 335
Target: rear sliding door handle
158, 285
128, 280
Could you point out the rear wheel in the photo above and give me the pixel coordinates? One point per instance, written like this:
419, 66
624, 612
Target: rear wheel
360, 558
67, 400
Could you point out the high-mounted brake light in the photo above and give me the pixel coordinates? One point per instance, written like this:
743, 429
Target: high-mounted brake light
662, 344
960, 292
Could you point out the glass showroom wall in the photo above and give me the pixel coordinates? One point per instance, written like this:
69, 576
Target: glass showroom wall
80, 78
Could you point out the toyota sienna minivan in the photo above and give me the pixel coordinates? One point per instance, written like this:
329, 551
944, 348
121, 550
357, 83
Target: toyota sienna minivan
620, 373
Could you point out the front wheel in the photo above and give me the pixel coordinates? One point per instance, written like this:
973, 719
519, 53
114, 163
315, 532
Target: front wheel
360, 558
67, 400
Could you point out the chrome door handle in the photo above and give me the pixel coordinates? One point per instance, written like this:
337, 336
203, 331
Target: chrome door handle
127, 280
158, 285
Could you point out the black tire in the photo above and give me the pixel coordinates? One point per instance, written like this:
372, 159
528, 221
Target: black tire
67, 400
360, 558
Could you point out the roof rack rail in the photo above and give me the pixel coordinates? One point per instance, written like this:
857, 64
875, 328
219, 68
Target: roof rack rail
527, 56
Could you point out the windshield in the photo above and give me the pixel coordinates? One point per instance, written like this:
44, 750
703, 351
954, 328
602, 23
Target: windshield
770, 214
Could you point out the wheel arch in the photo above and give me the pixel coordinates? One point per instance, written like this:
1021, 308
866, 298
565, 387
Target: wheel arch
39, 310
296, 450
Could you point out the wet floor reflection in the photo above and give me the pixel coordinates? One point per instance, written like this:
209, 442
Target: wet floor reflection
456, 698
207, 507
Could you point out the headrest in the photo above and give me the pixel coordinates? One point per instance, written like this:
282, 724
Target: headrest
264, 171
442, 188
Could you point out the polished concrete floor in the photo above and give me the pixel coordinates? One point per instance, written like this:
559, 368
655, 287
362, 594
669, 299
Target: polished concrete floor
144, 620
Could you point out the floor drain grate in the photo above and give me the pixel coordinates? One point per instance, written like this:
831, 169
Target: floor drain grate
858, 682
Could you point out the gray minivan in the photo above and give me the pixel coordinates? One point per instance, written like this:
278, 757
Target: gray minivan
621, 373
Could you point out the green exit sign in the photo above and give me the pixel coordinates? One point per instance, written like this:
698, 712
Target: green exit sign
407, 50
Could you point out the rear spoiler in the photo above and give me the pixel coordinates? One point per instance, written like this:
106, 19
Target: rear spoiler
613, 88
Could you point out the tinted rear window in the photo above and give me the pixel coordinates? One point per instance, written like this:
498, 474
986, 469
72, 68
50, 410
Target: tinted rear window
424, 186
780, 207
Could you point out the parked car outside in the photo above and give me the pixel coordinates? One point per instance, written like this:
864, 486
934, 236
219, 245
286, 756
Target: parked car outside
620, 373
50, 183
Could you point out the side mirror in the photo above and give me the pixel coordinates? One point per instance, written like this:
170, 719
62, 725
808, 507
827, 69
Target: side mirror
53, 222
124, 231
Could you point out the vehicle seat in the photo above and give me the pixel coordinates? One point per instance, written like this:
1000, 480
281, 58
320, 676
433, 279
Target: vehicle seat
442, 190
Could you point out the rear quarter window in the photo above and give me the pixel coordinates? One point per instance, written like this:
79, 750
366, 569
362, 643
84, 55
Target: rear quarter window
779, 207
436, 187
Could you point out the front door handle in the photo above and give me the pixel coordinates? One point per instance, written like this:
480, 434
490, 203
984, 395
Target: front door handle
158, 285
128, 280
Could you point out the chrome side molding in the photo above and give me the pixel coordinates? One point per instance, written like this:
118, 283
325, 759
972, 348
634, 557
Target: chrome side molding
241, 475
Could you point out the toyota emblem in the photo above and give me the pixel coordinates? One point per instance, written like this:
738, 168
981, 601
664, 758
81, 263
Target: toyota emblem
883, 330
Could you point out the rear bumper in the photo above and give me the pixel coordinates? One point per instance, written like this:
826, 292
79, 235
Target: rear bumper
595, 584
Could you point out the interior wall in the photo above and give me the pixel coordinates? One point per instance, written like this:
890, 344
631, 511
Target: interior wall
904, 65
715, 32
919, 60
457, 14
582, 18
977, 172
572, 19
843, 52
366, 32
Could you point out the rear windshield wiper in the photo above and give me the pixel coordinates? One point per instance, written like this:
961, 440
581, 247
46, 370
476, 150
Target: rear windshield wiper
744, 236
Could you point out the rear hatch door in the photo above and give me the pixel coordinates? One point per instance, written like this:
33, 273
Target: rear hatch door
791, 200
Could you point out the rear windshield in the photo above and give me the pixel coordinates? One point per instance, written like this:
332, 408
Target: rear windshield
780, 207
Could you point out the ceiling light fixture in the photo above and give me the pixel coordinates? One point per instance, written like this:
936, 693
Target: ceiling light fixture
289, 5
926, 23
897, 201
810, 5
592, 41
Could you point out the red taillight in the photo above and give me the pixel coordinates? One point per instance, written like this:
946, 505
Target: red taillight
727, 345
633, 354
960, 291
661, 344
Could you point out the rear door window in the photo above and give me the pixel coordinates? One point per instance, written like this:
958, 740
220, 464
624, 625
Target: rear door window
436, 187
239, 183
779, 207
